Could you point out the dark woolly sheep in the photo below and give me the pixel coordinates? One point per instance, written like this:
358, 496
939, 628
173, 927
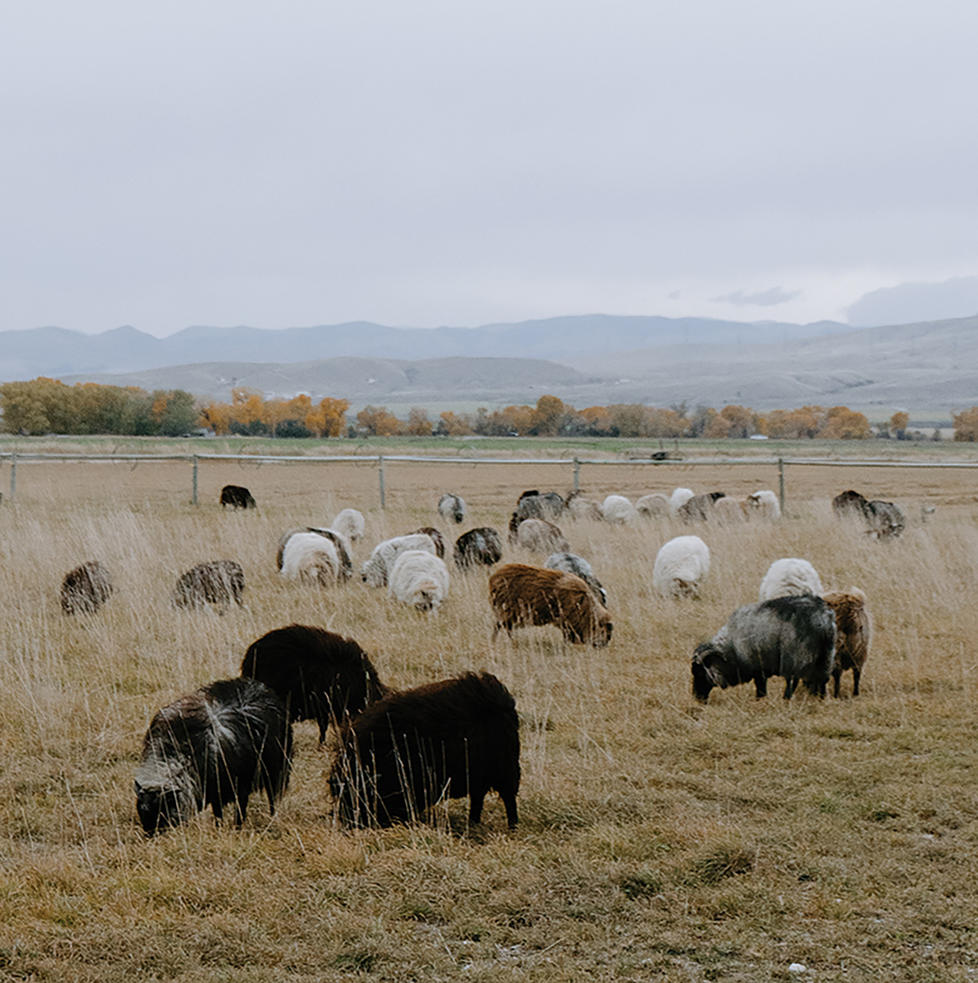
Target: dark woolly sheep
436, 537
86, 588
319, 675
534, 505
213, 748
577, 565
336, 538
793, 637
523, 595
478, 547
219, 582
238, 497
883, 520
854, 630
404, 753
451, 507
699, 508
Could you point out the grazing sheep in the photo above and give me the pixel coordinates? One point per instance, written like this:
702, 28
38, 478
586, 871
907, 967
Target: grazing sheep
420, 579
617, 508
763, 505
653, 506
883, 520
238, 497
377, 569
406, 752
534, 505
790, 575
478, 547
793, 637
582, 508
349, 523
854, 630
451, 508
319, 675
539, 535
699, 508
678, 498
680, 566
311, 558
219, 582
213, 748
524, 595
86, 588
577, 565
728, 511
339, 541
436, 537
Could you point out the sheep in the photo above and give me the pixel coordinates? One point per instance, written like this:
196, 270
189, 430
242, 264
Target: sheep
617, 508
523, 595
451, 508
680, 566
854, 630
349, 523
86, 588
213, 748
792, 637
728, 511
376, 570
763, 505
581, 508
318, 674
534, 505
436, 537
678, 498
218, 582
883, 520
420, 579
238, 497
482, 546
699, 508
790, 575
538, 535
311, 558
653, 506
404, 753
338, 539
577, 565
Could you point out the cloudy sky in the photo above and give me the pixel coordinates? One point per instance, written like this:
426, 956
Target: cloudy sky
429, 163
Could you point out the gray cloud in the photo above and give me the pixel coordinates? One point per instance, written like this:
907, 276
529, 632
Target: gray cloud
761, 298
907, 303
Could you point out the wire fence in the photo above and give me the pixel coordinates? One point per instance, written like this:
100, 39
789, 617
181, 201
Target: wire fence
385, 463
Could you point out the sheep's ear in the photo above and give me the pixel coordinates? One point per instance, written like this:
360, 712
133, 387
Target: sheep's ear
711, 663
136, 787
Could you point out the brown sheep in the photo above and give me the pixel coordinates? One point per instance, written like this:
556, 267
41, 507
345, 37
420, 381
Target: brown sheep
522, 595
854, 630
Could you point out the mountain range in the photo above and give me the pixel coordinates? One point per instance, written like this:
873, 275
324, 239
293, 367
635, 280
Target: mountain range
928, 368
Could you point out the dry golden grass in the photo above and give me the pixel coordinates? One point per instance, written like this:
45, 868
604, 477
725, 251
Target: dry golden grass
658, 839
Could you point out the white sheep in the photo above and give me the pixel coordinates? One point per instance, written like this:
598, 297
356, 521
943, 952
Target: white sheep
617, 508
728, 511
349, 523
680, 566
764, 505
420, 579
678, 498
789, 576
376, 571
653, 506
308, 556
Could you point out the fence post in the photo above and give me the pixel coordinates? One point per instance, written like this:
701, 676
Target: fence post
380, 473
781, 483
577, 474
193, 498
13, 476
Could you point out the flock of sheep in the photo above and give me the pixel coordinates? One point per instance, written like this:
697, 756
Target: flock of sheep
399, 752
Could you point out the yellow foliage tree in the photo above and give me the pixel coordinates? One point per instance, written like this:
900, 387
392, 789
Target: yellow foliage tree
966, 424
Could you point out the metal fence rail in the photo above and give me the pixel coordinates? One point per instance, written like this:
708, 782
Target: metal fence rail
381, 460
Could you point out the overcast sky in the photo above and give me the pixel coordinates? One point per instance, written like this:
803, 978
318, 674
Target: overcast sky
424, 163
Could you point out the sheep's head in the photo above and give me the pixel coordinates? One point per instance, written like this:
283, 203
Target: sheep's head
160, 807
708, 671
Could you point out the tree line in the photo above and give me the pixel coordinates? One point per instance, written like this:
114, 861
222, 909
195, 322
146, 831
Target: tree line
49, 406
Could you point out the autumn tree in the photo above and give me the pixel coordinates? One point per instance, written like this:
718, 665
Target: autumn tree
377, 421
898, 424
328, 419
841, 423
966, 425
418, 424
741, 421
550, 416
452, 425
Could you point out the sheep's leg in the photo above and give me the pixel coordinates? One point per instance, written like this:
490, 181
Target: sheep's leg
760, 686
509, 801
837, 679
476, 798
789, 687
855, 680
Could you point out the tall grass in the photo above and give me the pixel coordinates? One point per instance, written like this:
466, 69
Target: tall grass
658, 839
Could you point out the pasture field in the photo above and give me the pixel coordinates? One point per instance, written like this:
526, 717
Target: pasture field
658, 839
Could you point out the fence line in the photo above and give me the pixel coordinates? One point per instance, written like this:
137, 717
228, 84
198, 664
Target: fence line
380, 460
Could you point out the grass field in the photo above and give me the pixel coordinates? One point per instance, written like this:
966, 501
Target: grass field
658, 839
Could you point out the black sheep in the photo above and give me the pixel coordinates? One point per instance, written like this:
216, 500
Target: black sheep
238, 497
86, 588
213, 748
478, 547
219, 582
402, 754
320, 675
